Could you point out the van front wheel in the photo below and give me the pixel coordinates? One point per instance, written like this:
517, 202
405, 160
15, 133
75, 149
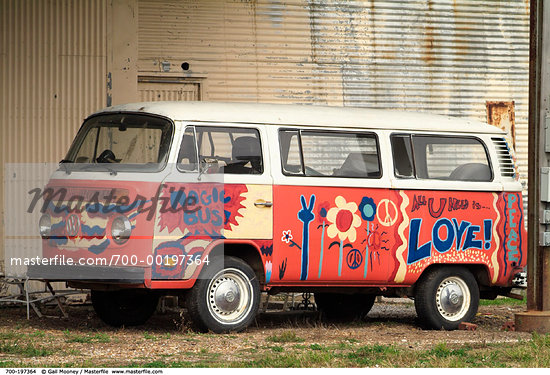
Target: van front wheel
225, 300
446, 297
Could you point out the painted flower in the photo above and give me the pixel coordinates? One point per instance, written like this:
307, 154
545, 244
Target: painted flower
322, 210
343, 220
287, 236
367, 209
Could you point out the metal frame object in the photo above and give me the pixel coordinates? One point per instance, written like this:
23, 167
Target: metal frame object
31, 299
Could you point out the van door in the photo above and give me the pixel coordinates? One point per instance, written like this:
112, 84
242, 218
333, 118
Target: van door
329, 184
223, 185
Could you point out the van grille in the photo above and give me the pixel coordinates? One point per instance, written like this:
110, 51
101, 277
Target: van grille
505, 159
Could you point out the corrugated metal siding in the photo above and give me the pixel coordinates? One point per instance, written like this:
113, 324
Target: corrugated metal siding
149, 92
52, 74
440, 56
22, 237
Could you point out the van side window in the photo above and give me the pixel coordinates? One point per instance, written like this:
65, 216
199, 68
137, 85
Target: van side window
329, 154
224, 150
403, 164
290, 152
451, 158
187, 157
441, 158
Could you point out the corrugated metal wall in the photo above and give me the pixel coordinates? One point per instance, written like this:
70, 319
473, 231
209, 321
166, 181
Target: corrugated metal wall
441, 56
52, 74
150, 91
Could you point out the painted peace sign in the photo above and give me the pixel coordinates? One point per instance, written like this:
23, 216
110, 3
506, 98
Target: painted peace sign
388, 210
354, 259
306, 214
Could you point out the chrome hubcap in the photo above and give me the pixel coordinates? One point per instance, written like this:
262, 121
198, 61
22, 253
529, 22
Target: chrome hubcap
229, 296
226, 295
453, 298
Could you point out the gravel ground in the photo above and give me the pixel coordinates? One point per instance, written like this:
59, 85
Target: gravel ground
83, 340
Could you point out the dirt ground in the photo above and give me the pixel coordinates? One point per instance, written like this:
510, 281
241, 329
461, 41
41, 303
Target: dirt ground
85, 340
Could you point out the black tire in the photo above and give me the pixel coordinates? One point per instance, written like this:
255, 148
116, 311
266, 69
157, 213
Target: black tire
344, 307
446, 297
129, 307
224, 299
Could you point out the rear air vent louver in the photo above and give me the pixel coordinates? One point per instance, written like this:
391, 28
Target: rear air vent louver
505, 161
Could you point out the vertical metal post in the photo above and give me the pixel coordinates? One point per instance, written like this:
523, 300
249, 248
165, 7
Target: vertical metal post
537, 316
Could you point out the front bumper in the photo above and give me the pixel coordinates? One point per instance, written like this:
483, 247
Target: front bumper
103, 274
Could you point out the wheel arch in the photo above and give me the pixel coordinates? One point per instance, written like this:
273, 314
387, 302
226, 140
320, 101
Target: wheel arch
246, 251
479, 271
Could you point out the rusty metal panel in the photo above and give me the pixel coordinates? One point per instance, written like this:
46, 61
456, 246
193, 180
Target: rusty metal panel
52, 74
502, 115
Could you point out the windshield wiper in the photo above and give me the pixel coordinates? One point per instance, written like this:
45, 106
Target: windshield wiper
112, 172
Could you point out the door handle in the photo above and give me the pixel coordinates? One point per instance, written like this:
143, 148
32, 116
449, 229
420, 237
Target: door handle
262, 203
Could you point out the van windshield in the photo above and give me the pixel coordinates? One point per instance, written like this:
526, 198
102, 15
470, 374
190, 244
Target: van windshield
120, 142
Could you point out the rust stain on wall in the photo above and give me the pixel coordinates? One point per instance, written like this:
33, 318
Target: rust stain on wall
502, 115
429, 56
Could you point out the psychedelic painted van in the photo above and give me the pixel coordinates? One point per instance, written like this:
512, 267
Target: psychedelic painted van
219, 202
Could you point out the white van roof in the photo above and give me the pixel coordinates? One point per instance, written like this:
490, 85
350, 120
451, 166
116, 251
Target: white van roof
306, 115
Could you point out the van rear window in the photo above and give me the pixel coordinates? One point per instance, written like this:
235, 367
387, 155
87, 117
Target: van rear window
329, 154
440, 158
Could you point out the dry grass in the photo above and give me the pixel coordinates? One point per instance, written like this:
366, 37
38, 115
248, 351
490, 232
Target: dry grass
389, 338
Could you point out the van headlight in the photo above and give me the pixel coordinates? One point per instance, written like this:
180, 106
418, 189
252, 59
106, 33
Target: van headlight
121, 229
45, 225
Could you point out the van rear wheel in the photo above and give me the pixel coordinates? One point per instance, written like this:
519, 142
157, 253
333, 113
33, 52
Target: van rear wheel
225, 300
128, 307
446, 297
344, 307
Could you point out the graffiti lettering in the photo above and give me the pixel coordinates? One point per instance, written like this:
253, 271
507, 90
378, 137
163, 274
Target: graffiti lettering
418, 201
458, 204
203, 206
511, 227
479, 206
434, 213
204, 215
445, 234
207, 210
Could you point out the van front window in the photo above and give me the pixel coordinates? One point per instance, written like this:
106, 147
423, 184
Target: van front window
127, 142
